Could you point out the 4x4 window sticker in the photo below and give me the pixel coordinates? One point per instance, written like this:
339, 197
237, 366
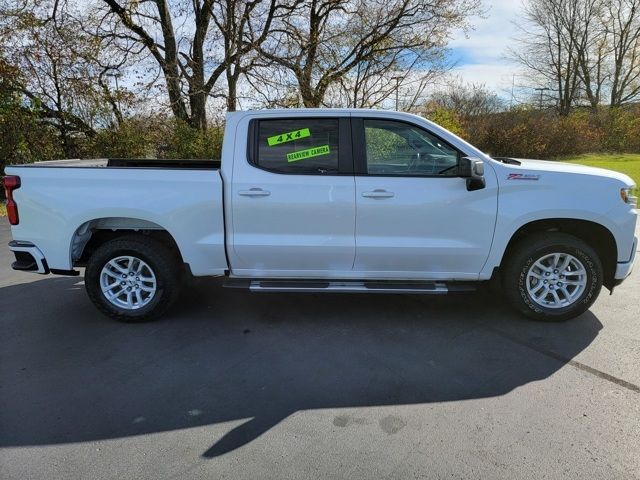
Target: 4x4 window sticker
281, 138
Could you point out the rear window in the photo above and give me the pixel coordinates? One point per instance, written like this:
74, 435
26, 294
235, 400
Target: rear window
303, 145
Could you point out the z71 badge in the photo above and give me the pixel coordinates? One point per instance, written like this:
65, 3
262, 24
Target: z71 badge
523, 176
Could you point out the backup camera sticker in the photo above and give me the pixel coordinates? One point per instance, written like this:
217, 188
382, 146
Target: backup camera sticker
288, 137
523, 176
308, 153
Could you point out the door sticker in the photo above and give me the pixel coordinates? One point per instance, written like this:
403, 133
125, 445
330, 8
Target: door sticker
308, 153
288, 137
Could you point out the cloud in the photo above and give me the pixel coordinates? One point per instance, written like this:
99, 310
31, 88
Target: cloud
481, 57
495, 76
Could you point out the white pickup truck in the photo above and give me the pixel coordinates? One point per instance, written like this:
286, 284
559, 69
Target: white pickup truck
327, 201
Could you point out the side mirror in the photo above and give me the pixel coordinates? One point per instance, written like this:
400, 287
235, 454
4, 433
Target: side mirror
473, 170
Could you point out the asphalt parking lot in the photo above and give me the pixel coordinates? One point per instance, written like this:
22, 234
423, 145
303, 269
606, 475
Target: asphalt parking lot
237, 385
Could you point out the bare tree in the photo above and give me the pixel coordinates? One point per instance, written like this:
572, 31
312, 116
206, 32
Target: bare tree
467, 100
623, 24
323, 41
150, 23
591, 49
370, 83
197, 44
400, 78
549, 48
587, 49
245, 25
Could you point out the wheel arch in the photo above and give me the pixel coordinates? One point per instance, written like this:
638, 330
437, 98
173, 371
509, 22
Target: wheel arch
93, 233
596, 235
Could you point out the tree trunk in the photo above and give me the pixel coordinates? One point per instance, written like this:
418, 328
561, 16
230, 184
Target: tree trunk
198, 103
197, 90
178, 107
232, 94
310, 97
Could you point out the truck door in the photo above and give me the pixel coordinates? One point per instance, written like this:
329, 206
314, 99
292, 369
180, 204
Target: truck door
293, 199
415, 216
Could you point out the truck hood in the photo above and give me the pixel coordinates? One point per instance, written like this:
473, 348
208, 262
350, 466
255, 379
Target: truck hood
535, 166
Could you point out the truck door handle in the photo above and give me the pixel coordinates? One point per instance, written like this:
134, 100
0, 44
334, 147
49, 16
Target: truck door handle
254, 192
378, 193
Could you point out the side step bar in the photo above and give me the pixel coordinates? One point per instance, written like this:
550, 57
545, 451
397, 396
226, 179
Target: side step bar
331, 286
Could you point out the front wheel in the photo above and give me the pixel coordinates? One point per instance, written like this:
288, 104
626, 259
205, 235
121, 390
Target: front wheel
552, 276
133, 278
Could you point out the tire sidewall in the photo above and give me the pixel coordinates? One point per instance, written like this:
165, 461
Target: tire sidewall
92, 280
592, 288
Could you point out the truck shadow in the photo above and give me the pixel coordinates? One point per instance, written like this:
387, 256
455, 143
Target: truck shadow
69, 374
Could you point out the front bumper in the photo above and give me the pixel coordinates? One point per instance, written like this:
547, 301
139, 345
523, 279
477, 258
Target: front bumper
28, 257
623, 269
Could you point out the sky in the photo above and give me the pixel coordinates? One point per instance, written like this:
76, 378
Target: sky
481, 57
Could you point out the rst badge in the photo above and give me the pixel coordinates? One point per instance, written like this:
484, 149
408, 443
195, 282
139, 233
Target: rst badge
523, 176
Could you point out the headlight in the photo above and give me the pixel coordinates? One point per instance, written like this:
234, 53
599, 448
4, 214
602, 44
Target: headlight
628, 195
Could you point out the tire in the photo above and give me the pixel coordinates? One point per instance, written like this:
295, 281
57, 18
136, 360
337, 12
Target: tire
158, 285
530, 288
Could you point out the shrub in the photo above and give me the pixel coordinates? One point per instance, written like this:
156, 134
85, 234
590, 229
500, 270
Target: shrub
134, 138
621, 128
24, 140
182, 141
447, 119
530, 133
157, 137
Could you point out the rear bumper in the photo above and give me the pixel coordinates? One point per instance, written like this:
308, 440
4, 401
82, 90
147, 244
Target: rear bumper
28, 258
623, 269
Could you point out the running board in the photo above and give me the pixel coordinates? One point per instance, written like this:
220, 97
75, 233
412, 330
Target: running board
317, 286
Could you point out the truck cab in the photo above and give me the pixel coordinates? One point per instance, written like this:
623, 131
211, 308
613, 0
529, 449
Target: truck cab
377, 197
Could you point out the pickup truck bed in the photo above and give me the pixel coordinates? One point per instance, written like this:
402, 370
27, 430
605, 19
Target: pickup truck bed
131, 163
116, 194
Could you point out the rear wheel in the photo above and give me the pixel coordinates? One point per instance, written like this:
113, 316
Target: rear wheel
552, 276
133, 278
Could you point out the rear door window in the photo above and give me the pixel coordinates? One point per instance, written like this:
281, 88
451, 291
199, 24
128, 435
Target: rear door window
302, 146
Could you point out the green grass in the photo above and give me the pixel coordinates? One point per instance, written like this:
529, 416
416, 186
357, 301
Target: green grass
628, 163
3, 209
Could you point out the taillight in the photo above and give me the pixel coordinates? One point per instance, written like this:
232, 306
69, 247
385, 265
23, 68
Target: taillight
11, 183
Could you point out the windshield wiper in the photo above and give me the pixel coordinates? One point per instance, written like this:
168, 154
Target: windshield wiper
507, 160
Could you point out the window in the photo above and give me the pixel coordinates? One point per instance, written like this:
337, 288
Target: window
302, 145
398, 148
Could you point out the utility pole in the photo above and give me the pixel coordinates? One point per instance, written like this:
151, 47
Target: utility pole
513, 85
116, 75
397, 79
541, 90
